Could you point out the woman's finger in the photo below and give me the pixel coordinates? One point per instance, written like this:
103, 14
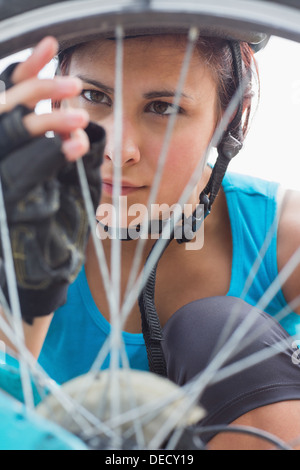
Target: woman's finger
30, 92
42, 54
77, 146
61, 122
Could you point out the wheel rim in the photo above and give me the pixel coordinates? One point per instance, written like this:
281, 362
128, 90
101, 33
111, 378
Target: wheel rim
67, 20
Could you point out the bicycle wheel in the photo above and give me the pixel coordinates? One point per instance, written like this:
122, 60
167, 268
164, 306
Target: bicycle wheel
22, 26
22, 430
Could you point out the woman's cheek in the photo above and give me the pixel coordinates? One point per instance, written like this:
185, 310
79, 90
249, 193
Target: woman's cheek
180, 166
183, 159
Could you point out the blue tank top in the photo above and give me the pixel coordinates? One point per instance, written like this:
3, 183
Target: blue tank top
253, 211
78, 330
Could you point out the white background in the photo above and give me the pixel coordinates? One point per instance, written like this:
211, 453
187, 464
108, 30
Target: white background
272, 147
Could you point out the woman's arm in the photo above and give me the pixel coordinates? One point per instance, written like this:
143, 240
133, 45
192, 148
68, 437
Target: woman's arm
28, 90
289, 242
45, 177
34, 335
281, 420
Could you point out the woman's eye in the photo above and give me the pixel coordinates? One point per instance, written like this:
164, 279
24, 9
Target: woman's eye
163, 109
96, 97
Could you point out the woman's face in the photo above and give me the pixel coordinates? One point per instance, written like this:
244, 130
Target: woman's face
151, 70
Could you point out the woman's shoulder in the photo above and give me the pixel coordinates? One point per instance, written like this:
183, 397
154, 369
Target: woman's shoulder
289, 243
249, 185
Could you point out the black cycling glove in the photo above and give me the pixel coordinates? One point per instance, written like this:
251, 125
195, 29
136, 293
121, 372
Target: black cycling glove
45, 210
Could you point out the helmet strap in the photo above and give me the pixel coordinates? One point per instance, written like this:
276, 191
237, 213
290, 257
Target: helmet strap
231, 142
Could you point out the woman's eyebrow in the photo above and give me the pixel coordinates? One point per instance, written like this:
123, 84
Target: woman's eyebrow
148, 95
165, 94
96, 83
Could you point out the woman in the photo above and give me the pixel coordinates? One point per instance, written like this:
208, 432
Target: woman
255, 398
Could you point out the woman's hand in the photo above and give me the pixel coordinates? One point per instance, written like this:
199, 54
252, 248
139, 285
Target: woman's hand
28, 90
45, 209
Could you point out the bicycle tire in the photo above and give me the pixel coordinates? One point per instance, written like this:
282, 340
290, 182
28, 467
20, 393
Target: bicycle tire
23, 26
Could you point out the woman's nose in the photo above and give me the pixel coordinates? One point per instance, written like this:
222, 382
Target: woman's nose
129, 153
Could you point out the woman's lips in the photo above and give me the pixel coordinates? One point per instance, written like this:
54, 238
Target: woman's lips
125, 188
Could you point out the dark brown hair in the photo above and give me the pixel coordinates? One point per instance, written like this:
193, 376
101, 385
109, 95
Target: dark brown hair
218, 56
